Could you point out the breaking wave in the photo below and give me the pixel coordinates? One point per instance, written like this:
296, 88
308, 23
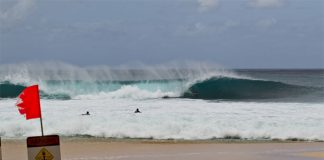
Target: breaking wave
8, 90
212, 88
237, 88
63, 81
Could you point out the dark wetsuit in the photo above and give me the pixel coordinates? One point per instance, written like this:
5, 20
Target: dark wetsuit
137, 111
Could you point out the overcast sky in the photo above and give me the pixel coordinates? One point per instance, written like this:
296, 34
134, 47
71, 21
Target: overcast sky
233, 33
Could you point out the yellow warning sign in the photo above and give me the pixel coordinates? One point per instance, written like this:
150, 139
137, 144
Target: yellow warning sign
44, 154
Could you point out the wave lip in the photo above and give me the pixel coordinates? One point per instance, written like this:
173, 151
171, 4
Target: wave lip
237, 88
9, 90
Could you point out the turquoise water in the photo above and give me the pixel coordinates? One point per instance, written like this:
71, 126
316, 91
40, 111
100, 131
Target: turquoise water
267, 84
180, 103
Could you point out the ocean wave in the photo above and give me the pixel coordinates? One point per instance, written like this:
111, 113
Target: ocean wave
65, 81
238, 88
211, 88
129, 92
9, 90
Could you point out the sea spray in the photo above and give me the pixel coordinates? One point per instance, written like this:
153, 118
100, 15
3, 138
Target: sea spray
26, 73
56, 78
64, 81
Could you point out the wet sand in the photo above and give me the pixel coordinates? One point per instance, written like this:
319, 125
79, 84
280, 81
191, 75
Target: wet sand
170, 150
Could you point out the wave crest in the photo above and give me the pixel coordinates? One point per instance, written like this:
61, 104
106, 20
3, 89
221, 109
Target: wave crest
196, 81
237, 88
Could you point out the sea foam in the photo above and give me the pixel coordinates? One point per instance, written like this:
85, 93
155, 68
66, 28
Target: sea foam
168, 119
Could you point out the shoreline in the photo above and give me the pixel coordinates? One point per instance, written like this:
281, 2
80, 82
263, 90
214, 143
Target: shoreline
104, 149
185, 141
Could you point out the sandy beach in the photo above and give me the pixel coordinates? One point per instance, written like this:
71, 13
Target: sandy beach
161, 150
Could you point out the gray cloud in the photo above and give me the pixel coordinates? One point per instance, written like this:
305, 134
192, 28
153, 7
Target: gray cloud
266, 3
15, 11
266, 23
205, 5
200, 28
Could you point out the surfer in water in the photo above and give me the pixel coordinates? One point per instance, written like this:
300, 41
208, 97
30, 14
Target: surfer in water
137, 111
86, 114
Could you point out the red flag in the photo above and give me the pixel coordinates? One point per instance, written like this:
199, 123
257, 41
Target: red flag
28, 102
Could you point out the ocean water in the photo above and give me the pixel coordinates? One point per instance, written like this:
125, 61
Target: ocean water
191, 102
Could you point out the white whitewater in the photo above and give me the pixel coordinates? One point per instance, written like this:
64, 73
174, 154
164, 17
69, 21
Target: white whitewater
164, 119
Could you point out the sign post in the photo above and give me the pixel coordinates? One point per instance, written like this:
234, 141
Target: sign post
0, 150
44, 148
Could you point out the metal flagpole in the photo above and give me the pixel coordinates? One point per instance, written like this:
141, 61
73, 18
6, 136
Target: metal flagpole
41, 122
40, 110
